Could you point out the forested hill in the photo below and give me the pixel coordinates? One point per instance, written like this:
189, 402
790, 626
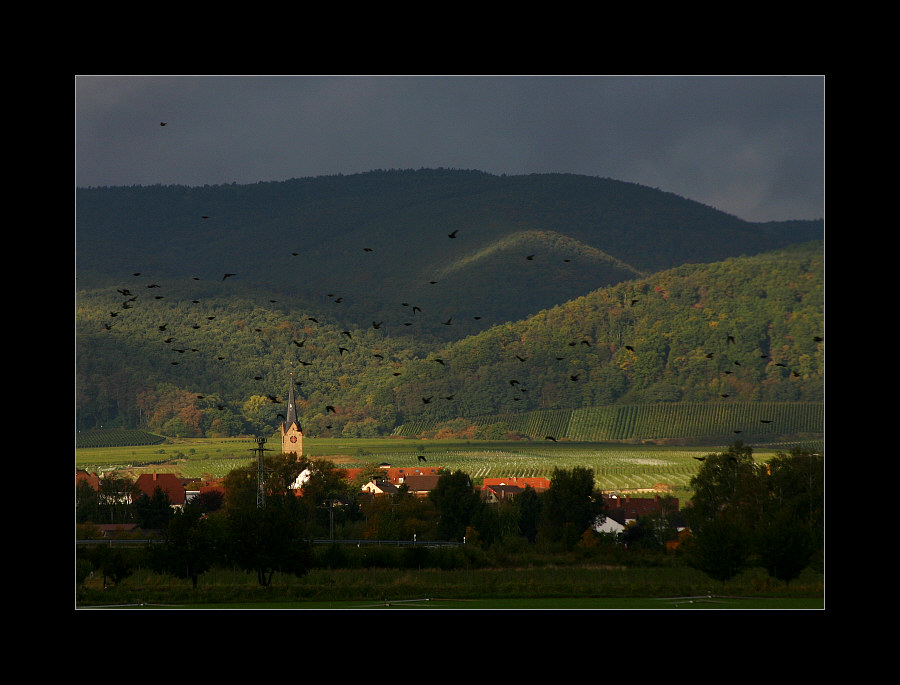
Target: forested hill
196, 362
480, 248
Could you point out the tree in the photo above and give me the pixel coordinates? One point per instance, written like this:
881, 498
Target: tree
269, 539
791, 530
457, 503
529, 506
570, 506
273, 537
154, 512
190, 548
723, 513
115, 499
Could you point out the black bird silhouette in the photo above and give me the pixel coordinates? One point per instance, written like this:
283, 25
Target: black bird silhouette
328, 408
738, 431
367, 249
426, 400
452, 235
163, 123
731, 339
303, 363
634, 302
629, 348
585, 342
379, 356
421, 458
574, 378
377, 325
514, 382
765, 421
204, 216
163, 327
700, 458
416, 309
347, 333
343, 349
550, 437
447, 322
274, 399
521, 359
439, 361
446, 397
530, 257
309, 318
709, 356
818, 338
227, 276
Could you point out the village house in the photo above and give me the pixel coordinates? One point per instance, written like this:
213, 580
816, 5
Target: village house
494, 490
169, 483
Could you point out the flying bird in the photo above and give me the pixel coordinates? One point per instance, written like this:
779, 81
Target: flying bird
421, 458
530, 257
328, 408
447, 322
342, 350
367, 249
731, 339
227, 276
629, 348
163, 123
521, 359
377, 325
452, 235
700, 458
426, 400
347, 333
550, 437
574, 377
765, 421
439, 361
309, 318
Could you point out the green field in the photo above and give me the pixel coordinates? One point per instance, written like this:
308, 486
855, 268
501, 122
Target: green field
616, 466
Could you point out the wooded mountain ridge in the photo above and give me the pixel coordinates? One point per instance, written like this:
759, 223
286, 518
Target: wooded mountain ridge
478, 248
188, 356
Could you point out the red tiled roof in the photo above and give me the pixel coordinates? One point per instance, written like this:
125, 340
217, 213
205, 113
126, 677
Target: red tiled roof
92, 478
168, 482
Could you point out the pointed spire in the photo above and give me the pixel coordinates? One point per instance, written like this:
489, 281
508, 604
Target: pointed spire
291, 408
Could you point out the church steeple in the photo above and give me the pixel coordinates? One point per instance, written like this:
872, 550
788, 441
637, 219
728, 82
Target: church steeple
291, 430
291, 408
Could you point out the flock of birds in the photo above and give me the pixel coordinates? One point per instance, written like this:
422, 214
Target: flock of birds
131, 297
514, 384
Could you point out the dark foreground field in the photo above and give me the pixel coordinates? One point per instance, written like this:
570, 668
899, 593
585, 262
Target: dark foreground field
710, 602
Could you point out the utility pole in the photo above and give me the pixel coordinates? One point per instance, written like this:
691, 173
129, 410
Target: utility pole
260, 472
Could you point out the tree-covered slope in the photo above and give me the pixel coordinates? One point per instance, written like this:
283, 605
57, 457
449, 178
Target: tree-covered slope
379, 239
741, 329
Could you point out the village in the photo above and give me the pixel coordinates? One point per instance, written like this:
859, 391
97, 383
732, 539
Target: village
621, 508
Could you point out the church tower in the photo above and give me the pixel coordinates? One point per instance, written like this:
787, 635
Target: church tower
291, 431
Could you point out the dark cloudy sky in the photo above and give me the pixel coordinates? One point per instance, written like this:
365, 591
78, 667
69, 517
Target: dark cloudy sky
752, 146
